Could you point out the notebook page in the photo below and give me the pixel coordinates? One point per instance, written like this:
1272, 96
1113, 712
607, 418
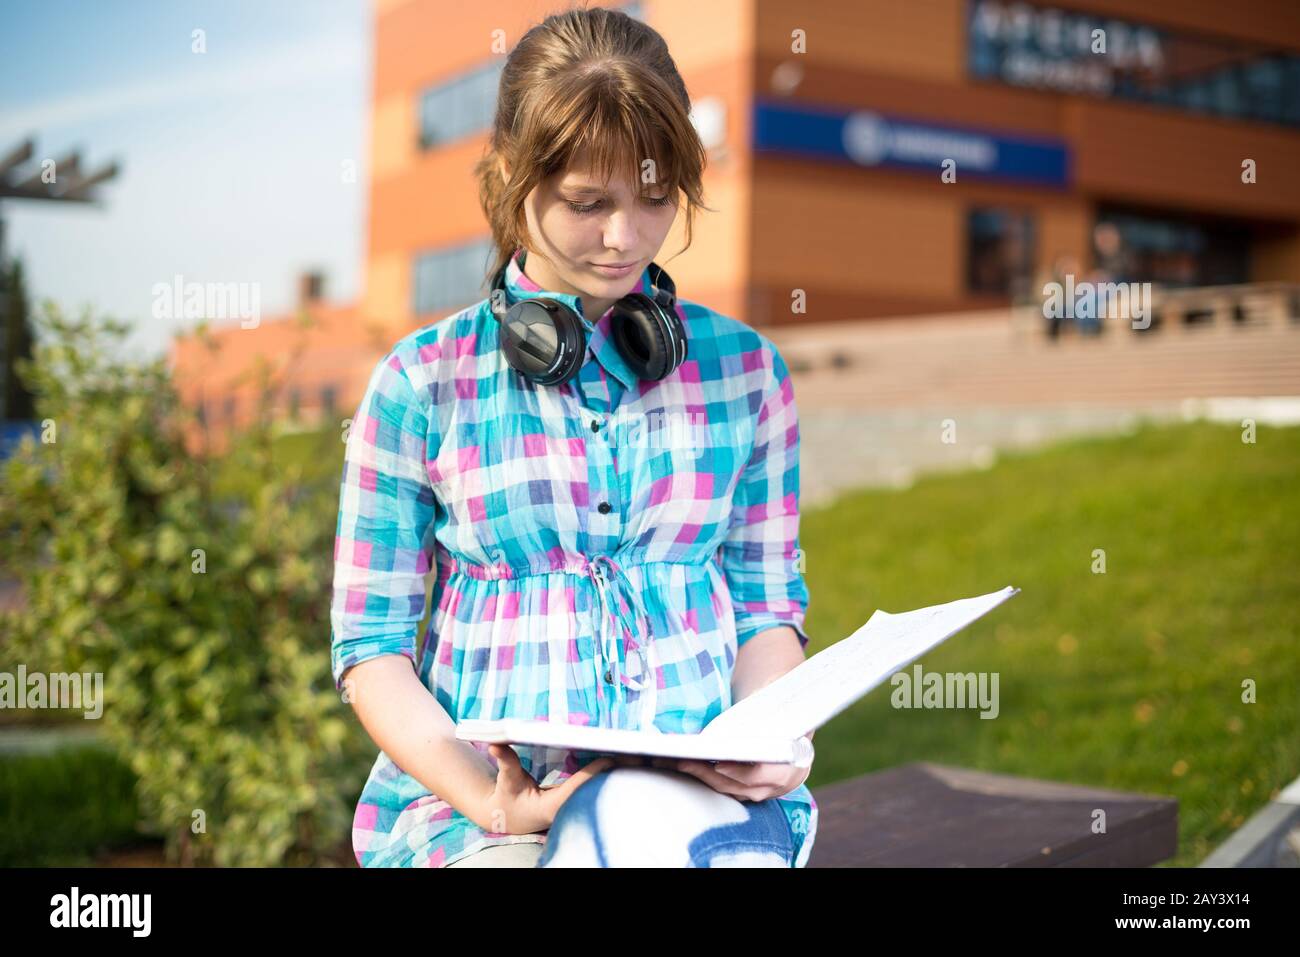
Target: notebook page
811, 694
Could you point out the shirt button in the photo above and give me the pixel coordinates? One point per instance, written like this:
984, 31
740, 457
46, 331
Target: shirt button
609, 677
604, 508
595, 425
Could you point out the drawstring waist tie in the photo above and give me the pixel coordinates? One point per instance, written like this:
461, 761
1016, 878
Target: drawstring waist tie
620, 608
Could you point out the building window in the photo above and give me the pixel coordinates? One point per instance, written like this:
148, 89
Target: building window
467, 103
228, 409
999, 251
460, 106
1132, 246
329, 400
295, 403
1051, 49
450, 278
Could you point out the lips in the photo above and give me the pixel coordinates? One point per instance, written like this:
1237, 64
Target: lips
615, 271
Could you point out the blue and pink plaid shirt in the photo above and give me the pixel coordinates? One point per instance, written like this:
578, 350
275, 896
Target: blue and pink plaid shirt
602, 548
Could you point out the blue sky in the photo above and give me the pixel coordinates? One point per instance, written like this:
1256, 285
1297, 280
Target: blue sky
231, 160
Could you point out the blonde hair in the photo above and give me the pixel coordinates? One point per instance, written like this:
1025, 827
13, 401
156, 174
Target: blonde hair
586, 80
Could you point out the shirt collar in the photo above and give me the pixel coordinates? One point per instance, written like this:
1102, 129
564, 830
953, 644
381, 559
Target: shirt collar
519, 285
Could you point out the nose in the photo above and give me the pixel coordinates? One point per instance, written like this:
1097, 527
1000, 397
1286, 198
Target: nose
621, 232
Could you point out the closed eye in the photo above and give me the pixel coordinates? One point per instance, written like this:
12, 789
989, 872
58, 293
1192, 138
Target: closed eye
592, 207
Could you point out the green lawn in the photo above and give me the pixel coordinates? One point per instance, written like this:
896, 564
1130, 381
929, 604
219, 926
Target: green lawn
60, 809
1130, 679
318, 457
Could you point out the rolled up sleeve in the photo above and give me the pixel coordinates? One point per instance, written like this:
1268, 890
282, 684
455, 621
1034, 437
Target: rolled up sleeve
383, 540
761, 558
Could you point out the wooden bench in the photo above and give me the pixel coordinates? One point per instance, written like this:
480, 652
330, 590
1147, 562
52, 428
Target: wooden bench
934, 815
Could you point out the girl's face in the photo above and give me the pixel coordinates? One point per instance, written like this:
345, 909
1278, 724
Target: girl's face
582, 227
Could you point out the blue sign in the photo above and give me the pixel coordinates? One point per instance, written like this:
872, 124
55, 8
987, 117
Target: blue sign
873, 139
12, 432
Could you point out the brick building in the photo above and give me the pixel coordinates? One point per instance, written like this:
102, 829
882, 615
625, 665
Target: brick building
830, 126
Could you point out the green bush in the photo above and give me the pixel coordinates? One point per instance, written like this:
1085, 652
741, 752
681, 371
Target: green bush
208, 616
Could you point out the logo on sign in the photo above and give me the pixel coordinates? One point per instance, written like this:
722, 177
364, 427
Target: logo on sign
866, 138
870, 139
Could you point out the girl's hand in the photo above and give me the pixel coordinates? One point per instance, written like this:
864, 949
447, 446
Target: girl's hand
516, 805
744, 780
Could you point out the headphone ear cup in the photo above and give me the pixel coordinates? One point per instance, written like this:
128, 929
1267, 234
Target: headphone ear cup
543, 340
648, 336
571, 341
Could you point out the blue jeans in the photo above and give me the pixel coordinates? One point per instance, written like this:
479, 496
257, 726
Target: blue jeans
633, 816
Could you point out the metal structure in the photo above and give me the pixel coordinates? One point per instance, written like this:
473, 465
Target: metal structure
70, 185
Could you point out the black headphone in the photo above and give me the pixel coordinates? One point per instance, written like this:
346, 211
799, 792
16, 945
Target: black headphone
545, 341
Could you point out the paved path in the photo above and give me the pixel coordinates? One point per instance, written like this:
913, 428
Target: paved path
21, 740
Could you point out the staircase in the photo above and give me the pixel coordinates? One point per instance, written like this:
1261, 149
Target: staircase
881, 400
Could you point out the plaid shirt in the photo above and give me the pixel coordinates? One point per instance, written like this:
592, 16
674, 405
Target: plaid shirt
602, 548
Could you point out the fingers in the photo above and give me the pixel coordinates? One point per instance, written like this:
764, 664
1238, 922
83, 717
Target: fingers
557, 795
721, 782
507, 758
582, 775
739, 771
750, 774
743, 774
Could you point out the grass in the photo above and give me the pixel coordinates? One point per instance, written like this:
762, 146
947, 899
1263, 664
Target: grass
318, 455
1131, 679
64, 808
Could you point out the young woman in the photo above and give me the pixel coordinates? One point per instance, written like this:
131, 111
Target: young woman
607, 478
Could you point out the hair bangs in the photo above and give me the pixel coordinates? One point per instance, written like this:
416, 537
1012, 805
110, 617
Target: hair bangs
601, 131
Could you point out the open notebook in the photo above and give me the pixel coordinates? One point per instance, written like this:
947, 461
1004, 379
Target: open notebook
769, 725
